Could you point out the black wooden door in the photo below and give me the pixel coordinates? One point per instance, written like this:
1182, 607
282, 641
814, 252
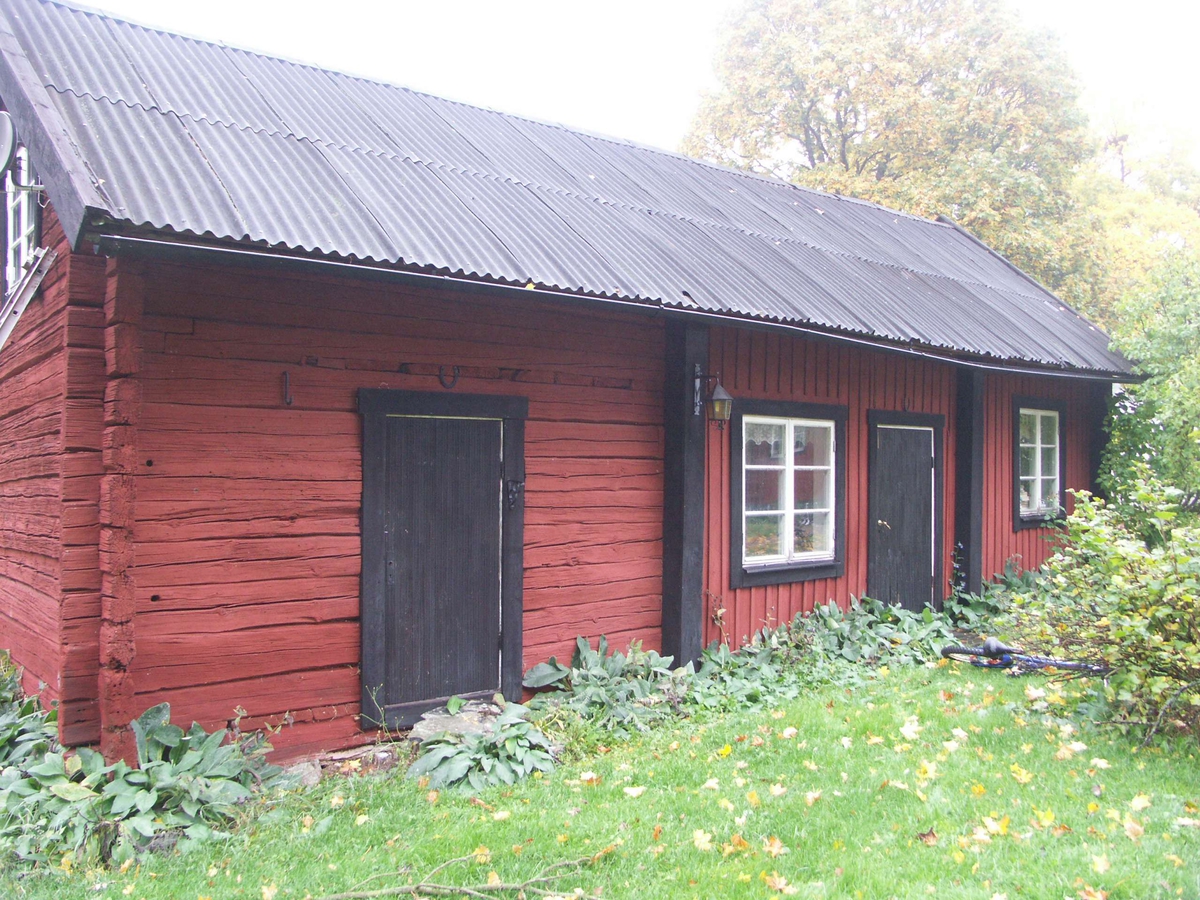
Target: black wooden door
902, 503
442, 558
442, 521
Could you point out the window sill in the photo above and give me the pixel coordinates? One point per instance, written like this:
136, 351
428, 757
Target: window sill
1024, 522
785, 573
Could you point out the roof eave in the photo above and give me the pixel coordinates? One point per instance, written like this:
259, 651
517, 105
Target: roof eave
60, 165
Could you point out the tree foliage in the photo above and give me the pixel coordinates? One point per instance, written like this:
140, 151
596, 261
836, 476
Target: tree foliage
931, 106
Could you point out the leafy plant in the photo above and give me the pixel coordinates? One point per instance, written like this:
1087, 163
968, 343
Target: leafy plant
26, 730
870, 630
187, 786
511, 751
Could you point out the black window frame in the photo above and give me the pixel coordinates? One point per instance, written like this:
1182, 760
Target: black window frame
1022, 522
802, 570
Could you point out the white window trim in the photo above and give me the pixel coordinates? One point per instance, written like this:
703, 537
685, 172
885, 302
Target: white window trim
1037, 511
788, 512
22, 208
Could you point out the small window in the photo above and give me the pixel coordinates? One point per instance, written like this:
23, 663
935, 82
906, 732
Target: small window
1038, 480
788, 496
24, 214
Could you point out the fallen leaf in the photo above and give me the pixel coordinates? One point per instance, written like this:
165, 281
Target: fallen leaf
725, 804
777, 882
1043, 818
1187, 822
1133, 829
996, 827
788, 733
1140, 802
778, 790
432, 797
1172, 858
725, 751
737, 844
1087, 892
591, 779
635, 791
493, 879
1060, 829
269, 891
847, 742
336, 800
911, 728
1021, 775
810, 765
929, 838
712, 785
1101, 864
874, 739
978, 790
702, 840
1101, 763
774, 847
500, 815
752, 798
361, 819
812, 797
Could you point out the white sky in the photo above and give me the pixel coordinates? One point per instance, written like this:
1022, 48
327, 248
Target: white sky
636, 68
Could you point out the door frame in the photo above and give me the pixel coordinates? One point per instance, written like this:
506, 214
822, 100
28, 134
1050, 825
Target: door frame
376, 405
936, 422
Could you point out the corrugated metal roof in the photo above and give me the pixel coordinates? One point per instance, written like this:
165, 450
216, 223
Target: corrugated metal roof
196, 137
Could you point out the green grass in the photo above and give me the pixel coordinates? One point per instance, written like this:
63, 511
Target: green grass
857, 839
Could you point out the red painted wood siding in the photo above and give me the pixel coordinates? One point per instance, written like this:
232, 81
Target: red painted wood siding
760, 365
1030, 547
247, 511
49, 466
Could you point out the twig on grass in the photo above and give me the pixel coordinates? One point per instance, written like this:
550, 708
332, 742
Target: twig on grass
547, 877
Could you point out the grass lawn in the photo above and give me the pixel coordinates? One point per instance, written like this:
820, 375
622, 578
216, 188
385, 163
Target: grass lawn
925, 782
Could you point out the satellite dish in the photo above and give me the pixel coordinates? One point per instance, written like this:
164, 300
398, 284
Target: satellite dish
8, 141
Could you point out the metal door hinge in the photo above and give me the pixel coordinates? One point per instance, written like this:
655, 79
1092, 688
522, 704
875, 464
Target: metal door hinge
512, 491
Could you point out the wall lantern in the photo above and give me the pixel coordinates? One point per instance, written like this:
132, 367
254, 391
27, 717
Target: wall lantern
717, 402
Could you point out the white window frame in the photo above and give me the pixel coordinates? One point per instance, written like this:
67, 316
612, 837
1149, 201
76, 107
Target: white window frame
1035, 509
788, 510
23, 218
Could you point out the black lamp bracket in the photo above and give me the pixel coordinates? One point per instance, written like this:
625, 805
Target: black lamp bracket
701, 389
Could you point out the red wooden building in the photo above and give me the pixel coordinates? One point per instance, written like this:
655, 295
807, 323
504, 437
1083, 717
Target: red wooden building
325, 400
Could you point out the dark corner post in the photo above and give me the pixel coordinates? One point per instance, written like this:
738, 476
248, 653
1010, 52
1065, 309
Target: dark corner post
683, 493
1101, 401
968, 481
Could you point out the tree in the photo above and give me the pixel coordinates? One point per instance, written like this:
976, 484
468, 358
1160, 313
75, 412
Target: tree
932, 106
1158, 421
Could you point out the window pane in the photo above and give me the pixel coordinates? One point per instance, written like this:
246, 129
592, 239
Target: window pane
1028, 428
814, 533
764, 444
763, 536
1028, 459
1050, 429
1049, 461
764, 489
811, 489
812, 445
1050, 493
1028, 491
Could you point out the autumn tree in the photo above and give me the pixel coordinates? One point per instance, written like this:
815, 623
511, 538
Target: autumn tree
931, 106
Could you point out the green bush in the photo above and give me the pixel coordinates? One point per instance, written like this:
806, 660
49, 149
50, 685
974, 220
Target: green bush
872, 631
511, 751
1108, 595
188, 786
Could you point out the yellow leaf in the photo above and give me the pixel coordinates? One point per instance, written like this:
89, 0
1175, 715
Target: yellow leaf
1043, 818
911, 728
269, 891
482, 854
978, 790
777, 882
994, 827
493, 879
712, 784
778, 790
361, 819
67, 862
725, 804
812, 797
1172, 858
635, 791
702, 840
673, 746
1093, 808
725, 751
1140, 802
1134, 829
752, 798
810, 765
874, 739
591, 779
336, 800
847, 742
1101, 763
501, 814
959, 857
774, 847
927, 771
1087, 892
788, 733
1187, 822
951, 746
1021, 776
1101, 864
563, 838
657, 849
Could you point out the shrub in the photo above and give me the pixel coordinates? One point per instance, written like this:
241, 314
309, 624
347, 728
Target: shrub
1108, 595
513, 750
872, 631
187, 786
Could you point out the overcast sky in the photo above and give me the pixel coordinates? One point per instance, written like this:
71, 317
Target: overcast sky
637, 68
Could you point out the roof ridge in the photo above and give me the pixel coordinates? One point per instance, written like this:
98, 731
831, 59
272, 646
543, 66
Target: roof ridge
582, 132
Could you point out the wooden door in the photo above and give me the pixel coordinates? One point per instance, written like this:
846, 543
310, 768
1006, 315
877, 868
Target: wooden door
440, 502
904, 499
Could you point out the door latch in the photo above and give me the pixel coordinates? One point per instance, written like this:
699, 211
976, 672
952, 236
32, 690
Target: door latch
512, 490
883, 524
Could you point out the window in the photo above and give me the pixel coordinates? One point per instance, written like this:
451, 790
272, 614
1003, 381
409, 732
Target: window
1038, 454
788, 496
23, 215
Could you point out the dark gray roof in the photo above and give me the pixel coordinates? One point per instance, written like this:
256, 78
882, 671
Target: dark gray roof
141, 128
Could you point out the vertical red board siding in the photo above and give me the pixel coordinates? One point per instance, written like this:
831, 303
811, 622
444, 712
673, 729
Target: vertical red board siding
51, 386
1030, 547
807, 370
248, 536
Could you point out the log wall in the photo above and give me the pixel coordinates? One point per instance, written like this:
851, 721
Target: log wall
246, 540
765, 366
51, 379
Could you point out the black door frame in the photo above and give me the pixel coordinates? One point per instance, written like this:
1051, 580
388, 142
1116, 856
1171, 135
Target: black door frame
376, 405
937, 422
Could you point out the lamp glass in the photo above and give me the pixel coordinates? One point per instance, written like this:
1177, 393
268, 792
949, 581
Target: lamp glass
720, 404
